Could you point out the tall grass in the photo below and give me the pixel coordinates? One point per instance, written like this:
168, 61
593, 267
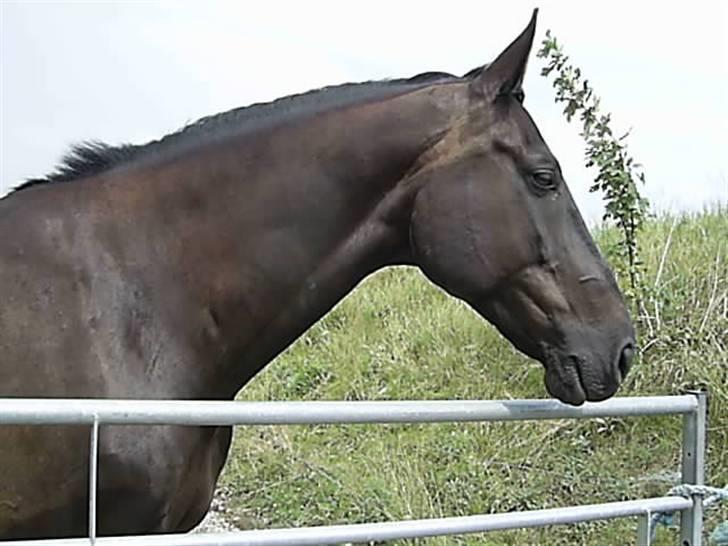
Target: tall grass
398, 337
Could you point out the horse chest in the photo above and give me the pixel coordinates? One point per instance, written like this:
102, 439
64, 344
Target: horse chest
169, 471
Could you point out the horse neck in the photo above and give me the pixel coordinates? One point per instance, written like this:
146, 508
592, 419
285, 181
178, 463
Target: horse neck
280, 226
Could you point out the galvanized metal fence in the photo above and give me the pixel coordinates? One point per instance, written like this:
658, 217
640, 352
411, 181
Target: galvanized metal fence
95, 413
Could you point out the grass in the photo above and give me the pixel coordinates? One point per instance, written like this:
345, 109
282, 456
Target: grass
398, 337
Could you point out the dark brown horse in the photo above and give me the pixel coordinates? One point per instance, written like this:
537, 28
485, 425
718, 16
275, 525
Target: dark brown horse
180, 268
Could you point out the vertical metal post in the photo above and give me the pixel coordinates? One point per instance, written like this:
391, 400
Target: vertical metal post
693, 469
93, 472
644, 537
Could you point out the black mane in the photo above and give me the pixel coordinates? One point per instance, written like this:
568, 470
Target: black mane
90, 158
86, 159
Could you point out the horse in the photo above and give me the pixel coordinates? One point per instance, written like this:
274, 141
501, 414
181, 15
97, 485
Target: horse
179, 268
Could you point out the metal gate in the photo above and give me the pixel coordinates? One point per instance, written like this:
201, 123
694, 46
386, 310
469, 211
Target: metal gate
96, 413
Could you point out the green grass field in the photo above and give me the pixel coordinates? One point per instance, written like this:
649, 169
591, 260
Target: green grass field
398, 337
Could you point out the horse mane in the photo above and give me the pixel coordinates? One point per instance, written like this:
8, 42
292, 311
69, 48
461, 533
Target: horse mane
94, 157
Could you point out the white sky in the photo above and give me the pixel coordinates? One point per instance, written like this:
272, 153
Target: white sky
135, 70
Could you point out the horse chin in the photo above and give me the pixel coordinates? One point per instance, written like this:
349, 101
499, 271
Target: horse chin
573, 382
567, 391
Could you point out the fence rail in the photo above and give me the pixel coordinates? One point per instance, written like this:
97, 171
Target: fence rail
53, 411
103, 412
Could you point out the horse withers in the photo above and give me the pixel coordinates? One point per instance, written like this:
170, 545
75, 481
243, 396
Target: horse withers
178, 269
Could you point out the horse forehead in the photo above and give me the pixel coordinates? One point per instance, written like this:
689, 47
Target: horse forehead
523, 129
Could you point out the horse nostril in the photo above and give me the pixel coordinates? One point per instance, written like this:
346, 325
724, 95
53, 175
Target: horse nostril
625, 359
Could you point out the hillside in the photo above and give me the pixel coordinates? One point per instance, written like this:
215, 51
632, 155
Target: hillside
398, 337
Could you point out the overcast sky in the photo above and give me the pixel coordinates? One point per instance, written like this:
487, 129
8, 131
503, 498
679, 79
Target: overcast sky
135, 70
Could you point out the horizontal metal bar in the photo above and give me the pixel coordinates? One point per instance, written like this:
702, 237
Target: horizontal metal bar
365, 532
15, 411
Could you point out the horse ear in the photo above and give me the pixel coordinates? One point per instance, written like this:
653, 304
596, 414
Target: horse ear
504, 76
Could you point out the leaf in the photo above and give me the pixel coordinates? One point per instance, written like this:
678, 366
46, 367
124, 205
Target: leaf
617, 170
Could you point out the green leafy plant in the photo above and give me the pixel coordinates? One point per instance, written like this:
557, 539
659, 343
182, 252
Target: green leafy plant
618, 173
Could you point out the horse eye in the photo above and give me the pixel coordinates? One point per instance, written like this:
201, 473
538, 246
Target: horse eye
544, 179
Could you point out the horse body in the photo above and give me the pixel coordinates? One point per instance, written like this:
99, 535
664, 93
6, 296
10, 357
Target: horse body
97, 333
170, 300
179, 275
